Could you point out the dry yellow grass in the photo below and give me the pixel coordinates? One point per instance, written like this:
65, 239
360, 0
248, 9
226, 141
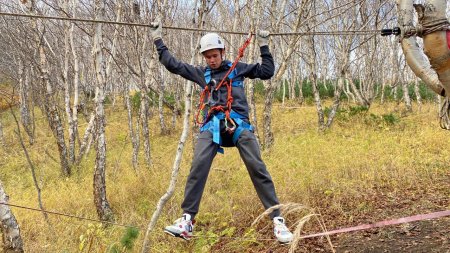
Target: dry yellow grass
332, 172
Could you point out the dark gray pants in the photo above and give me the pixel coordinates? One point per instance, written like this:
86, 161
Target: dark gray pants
206, 150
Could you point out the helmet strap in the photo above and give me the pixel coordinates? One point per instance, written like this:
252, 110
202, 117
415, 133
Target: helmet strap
222, 53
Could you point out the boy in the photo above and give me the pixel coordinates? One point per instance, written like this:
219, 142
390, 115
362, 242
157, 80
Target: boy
223, 127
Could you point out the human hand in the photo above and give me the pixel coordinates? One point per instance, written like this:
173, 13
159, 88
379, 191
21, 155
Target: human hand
156, 29
263, 38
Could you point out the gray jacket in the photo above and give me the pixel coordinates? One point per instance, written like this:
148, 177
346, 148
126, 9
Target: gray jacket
264, 71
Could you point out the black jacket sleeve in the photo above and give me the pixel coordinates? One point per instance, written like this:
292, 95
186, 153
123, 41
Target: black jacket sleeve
264, 71
172, 64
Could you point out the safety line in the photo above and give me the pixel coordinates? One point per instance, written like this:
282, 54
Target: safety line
331, 33
379, 224
384, 223
71, 216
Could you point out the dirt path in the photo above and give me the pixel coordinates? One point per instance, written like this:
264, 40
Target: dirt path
423, 236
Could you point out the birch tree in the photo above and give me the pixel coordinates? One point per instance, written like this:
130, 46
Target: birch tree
12, 240
2, 140
104, 210
270, 87
202, 11
50, 108
24, 90
254, 14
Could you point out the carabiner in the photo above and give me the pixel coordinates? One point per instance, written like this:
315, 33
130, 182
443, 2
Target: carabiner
230, 129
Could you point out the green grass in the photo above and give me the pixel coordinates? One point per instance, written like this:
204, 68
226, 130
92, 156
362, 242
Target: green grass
336, 173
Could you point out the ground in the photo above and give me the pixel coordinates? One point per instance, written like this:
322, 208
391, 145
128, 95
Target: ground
422, 236
371, 166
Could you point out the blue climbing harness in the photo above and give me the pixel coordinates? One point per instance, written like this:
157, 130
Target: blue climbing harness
213, 123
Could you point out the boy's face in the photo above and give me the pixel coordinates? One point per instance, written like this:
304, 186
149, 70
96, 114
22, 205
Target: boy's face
213, 58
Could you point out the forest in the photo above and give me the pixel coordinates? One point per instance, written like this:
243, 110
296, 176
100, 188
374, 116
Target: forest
97, 137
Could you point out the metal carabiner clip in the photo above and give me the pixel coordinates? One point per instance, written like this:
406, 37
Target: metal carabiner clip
230, 129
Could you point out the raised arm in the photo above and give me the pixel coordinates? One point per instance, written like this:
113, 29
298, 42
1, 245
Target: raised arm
264, 70
172, 64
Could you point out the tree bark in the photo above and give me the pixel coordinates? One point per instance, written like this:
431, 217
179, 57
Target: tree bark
417, 93
270, 87
101, 203
336, 101
67, 46
53, 116
146, 247
76, 83
2, 140
12, 240
175, 169
383, 90
252, 55
85, 141
23, 99
134, 143
145, 127
267, 116
356, 92
177, 106
312, 64
406, 96
162, 83
49, 105
318, 102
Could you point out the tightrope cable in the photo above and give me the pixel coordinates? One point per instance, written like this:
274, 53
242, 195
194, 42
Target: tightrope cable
323, 33
71, 216
384, 223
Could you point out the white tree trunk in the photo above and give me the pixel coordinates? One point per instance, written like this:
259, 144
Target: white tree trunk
312, 64
406, 96
101, 203
76, 82
145, 127
176, 165
270, 88
336, 101
317, 100
12, 241
267, 115
53, 115
2, 140
67, 46
383, 90
132, 133
85, 141
175, 169
23, 99
417, 93
252, 56
162, 83
179, 154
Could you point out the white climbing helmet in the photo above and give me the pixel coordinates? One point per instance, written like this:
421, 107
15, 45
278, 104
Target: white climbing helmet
211, 41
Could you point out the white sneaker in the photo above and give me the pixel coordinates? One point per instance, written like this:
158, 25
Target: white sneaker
183, 227
280, 230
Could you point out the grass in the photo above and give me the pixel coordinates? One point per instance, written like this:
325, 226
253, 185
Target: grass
340, 173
